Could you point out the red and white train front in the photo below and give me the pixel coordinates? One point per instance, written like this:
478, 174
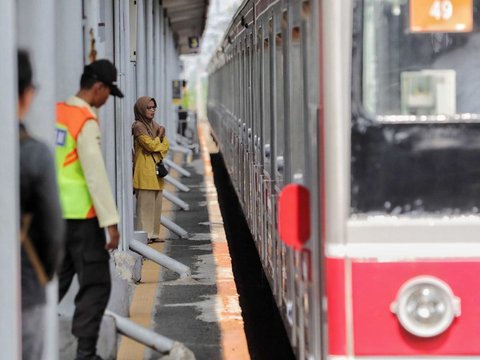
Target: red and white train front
400, 187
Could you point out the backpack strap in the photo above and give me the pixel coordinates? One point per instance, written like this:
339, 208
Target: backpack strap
25, 223
27, 245
22, 133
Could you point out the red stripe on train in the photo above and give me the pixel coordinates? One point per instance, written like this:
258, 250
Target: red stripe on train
335, 287
376, 329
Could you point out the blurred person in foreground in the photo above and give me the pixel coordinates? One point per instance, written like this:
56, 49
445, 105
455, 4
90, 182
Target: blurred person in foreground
41, 220
151, 146
87, 202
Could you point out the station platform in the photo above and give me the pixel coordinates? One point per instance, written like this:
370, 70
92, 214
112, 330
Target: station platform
201, 311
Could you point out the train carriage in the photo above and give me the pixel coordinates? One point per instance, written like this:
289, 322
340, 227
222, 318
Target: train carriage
351, 132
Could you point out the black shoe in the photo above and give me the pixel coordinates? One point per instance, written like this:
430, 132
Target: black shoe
88, 357
87, 349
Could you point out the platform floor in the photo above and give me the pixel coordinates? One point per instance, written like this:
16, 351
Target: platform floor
202, 312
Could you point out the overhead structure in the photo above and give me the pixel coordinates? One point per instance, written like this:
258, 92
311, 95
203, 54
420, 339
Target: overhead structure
187, 21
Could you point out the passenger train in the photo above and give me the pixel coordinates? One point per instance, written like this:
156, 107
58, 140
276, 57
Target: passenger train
351, 132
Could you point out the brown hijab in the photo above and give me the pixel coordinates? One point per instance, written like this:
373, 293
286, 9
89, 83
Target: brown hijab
143, 125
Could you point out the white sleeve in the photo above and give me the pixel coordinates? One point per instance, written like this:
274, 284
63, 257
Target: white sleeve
93, 166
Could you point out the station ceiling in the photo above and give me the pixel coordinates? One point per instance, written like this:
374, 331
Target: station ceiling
187, 20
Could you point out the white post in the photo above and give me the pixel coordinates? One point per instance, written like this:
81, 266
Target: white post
171, 180
180, 148
141, 334
68, 48
94, 35
69, 61
175, 199
175, 349
98, 34
170, 225
141, 50
10, 304
104, 38
170, 75
36, 33
157, 43
160, 258
150, 53
176, 167
124, 115
165, 78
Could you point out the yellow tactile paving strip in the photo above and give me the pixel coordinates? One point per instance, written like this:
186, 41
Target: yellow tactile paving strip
141, 309
234, 342
143, 300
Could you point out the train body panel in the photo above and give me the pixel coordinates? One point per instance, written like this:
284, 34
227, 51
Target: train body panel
366, 106
375, 327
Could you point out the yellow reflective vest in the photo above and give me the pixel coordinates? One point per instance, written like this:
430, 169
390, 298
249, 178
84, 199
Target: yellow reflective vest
74, 195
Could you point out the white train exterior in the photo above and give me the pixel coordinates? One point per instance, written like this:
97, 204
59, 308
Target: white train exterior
351, 132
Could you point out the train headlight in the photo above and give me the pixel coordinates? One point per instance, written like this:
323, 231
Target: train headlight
426, 306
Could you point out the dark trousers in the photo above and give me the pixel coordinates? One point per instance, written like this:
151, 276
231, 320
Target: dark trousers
182, 126
86, 256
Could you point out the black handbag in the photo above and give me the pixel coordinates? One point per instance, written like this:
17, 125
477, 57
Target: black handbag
160, 169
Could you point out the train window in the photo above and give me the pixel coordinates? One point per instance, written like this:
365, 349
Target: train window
415, 132
266, 102
297, 118
411, 72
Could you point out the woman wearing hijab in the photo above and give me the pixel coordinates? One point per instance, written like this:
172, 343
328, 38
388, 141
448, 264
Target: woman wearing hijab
151, 146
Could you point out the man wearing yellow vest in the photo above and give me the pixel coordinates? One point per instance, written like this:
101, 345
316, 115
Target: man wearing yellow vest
87, 202
183, 110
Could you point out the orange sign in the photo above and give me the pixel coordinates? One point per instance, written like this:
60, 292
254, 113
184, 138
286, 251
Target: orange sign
441, 15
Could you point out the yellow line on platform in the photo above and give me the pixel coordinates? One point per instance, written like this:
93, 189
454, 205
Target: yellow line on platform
234, 341
144, 296
141, 310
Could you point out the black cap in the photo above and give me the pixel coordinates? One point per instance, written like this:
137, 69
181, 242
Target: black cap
104, 71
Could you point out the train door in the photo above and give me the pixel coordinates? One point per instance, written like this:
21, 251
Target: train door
297, 166
279, 99
284, 255
227, 74
268, 94
301, 109
242, 120
257, 134
278, 144
312, 260
249, 179
231, 112
252, 133
245, 122
238, 114
259, 156
229, 117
